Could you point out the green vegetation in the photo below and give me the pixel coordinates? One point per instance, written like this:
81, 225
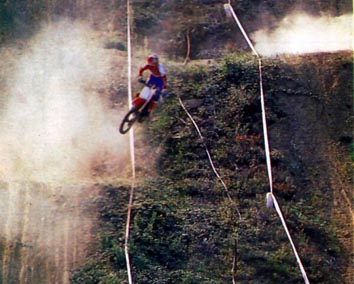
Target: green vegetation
185, 229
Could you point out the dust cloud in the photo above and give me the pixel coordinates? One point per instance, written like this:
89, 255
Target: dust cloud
53, 122
58, 140
300, 33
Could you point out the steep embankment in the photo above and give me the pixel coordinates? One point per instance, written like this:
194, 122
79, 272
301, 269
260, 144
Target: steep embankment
184, 228
317, 139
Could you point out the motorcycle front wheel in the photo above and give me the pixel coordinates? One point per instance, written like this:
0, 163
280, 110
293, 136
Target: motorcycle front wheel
129, 119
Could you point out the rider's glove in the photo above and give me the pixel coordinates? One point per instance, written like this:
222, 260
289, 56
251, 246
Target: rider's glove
141, 80
164, 93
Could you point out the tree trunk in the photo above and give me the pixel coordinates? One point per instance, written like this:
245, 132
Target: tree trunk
188, 53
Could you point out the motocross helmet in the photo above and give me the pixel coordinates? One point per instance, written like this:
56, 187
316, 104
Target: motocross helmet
152, 59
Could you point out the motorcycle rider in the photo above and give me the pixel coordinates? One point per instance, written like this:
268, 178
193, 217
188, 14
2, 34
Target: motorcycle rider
157, 77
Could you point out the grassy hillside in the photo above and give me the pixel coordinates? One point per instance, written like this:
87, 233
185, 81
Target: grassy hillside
184, 227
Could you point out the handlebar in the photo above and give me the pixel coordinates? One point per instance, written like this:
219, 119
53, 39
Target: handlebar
142, 81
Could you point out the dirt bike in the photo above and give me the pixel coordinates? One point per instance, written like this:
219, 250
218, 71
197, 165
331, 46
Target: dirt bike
140, 109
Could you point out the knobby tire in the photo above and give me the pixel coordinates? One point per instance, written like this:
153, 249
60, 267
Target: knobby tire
129, 119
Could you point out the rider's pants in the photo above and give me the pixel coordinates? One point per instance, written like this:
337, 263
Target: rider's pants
157, 81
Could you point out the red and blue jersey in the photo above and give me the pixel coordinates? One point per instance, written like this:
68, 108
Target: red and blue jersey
157, 75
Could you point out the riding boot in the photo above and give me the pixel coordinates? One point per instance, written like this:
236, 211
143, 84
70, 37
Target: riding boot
152, 106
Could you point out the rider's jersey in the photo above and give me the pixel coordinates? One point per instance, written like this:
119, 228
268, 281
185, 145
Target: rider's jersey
157, 71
